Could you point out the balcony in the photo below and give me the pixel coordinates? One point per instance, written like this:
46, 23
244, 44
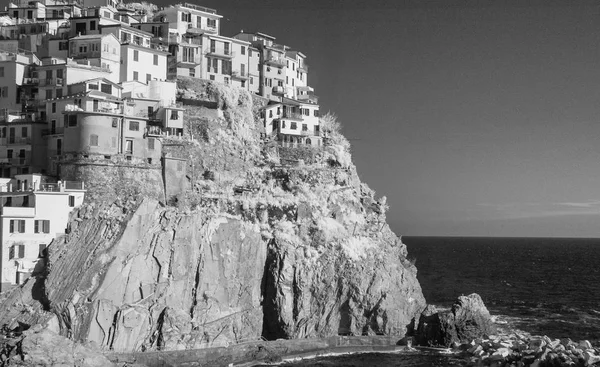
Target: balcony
187, 61
275, 61
20, 161
215, 52
156, 131
303, 68
278, 90
199, 8
11, 140
18, 211
201, 30
292, 115
31, 81
237, 74
310, 98
58, 82
55, 131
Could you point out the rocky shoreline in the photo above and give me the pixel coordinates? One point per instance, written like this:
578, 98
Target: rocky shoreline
519, 349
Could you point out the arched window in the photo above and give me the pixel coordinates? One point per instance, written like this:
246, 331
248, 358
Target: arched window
308, 142
283, 124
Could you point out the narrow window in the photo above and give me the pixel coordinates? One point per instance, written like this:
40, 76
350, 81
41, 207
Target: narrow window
94, 140
151, 143
155, 59
136, 55
71, 201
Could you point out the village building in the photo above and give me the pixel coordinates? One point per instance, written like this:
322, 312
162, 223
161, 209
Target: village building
34, 210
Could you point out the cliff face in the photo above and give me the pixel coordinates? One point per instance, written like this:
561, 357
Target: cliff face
252, 248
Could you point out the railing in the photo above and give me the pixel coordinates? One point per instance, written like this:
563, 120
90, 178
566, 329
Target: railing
19, 161
11, 140
303, 67
220, 52
278, 89
28, 81
277, 61
74, 185
51, 81
308, 97
292, 115
199, 8
155, 131
239, 75
55, 131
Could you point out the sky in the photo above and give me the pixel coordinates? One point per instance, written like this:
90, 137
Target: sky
473, 118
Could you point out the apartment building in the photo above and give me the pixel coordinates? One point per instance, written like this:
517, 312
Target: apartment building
293, 123
34, 210
99, 50
190, 18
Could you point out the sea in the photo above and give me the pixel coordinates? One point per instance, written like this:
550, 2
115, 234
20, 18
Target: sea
541, 286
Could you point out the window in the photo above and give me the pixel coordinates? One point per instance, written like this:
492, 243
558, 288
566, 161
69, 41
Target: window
304, 127
174, 115
72, 120
59, 93
155, 59
243, 49
243, 83
134, 125
271, 113
82, 49
71, 201
53, 107
151, 143
106, 88
226, 48
24, 131
148, 78
251, 81
192, 72
93, 140
136, 55
280, 83
226, 80
115, 122
63, 45
316, 113
135, 75
17, 251
41, 226
212, 77
128, 146
42, 250
17, 226
215, 66
4, 92
93, 25
213, 46
293, 126
93, 86
250, 52
2, 72
48, 93
278, 111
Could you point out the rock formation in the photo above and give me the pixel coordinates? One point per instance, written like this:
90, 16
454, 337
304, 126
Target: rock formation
261, 242
468, 319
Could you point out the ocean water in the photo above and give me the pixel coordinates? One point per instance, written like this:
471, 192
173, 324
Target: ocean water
546, 286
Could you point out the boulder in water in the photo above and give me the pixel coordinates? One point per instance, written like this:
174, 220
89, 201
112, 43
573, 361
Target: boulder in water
468, 319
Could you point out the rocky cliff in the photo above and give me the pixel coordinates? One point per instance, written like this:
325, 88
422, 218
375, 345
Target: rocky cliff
261, 241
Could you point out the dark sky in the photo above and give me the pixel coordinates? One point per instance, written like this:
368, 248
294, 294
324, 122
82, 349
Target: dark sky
472, 117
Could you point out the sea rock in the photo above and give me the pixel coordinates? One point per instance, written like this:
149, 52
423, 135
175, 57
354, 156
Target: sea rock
468, 319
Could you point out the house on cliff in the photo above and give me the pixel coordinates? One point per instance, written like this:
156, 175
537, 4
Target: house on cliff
292, 123
34, 210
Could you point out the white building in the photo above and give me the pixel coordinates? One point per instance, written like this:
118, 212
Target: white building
33, 212
293, 123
